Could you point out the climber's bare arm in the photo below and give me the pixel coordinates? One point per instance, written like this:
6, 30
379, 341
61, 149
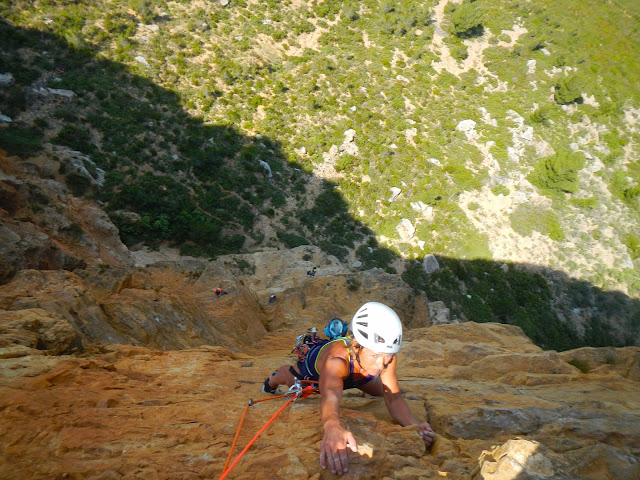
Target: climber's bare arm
397, 405
333, 448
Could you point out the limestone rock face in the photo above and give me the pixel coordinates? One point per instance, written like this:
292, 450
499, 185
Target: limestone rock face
171, 305
128, 412
42, 226
35, 329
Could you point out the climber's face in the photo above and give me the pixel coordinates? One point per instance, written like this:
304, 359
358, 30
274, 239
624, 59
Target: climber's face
373, 363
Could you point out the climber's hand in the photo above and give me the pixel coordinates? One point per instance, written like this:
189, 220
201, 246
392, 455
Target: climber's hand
426, 433
333, 449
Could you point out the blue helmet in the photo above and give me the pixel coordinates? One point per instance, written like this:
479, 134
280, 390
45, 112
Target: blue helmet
336, 328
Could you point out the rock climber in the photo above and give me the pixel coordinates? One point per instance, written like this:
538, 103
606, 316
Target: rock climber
312, 272
366, 361
219, 292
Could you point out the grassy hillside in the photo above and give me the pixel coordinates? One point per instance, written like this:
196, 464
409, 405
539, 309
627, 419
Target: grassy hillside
508, 128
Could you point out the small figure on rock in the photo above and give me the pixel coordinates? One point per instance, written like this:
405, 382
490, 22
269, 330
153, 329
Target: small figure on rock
219, 292
272, 298
312, 272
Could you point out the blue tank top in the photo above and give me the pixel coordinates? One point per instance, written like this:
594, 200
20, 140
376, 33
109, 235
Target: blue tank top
307, 366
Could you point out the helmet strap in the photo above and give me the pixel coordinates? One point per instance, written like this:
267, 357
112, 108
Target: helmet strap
357, 352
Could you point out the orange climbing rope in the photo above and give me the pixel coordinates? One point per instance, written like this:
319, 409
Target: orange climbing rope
295, 392
235, 438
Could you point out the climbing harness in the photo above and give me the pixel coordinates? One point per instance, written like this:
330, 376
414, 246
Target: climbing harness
295, 392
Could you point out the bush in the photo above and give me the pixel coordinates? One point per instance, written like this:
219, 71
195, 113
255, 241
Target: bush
331, 248
540, 116
580, 365
528, 218
586, 203
20, 141
78, 184
558, 173
78, 139
374, 256
245, 267
567, 90
632, 242
500, 189
466, 21
459, 52
292, 240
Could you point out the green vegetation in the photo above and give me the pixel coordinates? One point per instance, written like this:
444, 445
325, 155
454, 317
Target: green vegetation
527, 218
558, 174
580, 365
567, 90
483, 291
20, 141
466, 19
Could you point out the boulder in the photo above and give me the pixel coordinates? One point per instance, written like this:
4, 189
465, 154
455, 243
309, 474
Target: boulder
36, 329
405, 230
430, 264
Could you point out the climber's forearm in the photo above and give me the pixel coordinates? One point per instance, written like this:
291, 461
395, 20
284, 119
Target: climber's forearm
399, 409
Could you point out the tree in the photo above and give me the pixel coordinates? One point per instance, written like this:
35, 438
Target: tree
467, 21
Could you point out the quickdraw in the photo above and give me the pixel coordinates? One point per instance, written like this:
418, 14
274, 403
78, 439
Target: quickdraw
295, 392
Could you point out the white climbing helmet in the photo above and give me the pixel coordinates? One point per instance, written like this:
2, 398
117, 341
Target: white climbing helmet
377, 327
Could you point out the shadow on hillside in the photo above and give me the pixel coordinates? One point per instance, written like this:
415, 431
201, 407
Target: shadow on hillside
194, 185
201, 187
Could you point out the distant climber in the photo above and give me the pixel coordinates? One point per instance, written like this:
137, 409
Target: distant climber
377, 337
312, 272
272, 298
313, 335
219, 292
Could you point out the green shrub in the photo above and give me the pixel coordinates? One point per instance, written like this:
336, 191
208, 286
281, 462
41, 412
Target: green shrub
558, 173
20, 141
245, 267
78, 184
527, 218
459, 52
374, 256
466, 21
541, 116
580, 365
353, 284
567, 90
632, 242
13, 100
586, 203
76, 138
331, 248
500, 189
292, 240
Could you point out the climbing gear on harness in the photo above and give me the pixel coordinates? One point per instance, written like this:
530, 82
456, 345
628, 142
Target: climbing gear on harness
300, 350
296, 391
336, 328
377, 327
303, 341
